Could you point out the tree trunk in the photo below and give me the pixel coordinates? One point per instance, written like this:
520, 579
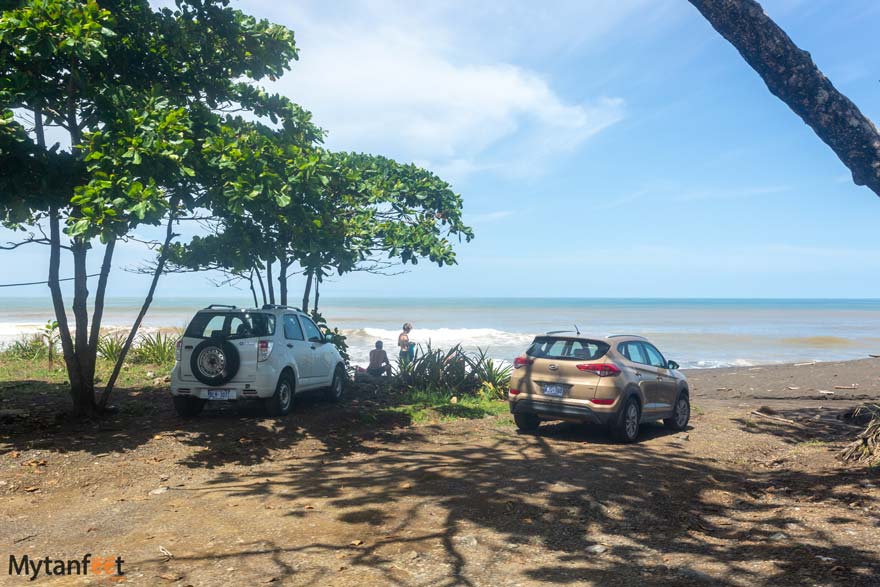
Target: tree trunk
791, 76
269, 283
282, 280
317, 293
260, 281
253, 290
160, 265
71, 361
98, 312
84, 401
308, 291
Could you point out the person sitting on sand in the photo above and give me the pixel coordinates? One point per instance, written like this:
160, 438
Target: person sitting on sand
407, 348
379, 363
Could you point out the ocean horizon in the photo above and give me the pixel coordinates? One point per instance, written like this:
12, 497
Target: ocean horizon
696, 332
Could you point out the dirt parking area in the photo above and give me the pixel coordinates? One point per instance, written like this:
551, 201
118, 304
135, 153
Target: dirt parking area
355, 495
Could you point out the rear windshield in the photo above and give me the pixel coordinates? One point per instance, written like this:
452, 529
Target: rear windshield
552, 347
231, 325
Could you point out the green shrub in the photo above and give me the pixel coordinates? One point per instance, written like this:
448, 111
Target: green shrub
29, 347
154, 349
110, 346
454, 372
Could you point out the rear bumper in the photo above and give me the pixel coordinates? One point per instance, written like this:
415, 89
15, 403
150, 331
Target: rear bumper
262, 387
561, 411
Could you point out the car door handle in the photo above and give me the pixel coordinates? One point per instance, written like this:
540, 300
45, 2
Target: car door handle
289, 345
638, 374
659, 378
314, 347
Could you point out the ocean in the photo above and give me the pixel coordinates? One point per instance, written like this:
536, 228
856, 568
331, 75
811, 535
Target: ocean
697, 333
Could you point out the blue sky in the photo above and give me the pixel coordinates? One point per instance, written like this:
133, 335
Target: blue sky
603, 148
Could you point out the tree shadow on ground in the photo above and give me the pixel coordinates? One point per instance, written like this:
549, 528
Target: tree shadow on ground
536, 504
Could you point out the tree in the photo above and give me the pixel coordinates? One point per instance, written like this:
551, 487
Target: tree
138, 91
791, 76
318, 212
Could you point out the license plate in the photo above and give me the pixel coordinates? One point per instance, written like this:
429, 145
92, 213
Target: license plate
554, 389
219, 394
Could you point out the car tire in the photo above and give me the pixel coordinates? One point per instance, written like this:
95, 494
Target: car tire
214, 361
282, 400
527, 422
627, 428
188, 407
681, 413
337, 386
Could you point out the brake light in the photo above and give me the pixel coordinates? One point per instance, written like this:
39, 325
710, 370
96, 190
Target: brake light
522, 362
177, 349
264, 349
602, 402
600, 369
514, 391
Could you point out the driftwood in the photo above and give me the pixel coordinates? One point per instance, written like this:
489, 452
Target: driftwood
776, 418
866, 447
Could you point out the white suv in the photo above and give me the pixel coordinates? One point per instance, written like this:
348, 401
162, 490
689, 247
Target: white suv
270, 353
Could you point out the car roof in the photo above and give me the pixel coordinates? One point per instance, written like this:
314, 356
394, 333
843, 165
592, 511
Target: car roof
586, 336
264, 308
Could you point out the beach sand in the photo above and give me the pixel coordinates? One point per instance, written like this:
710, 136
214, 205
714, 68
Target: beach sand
351, 495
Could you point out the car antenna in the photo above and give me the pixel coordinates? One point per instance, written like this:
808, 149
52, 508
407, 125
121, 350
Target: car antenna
576, 330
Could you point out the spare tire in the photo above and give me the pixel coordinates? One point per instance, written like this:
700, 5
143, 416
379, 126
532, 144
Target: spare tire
214, 361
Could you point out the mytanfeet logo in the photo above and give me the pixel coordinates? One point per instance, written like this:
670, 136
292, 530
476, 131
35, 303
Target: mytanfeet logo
100, 566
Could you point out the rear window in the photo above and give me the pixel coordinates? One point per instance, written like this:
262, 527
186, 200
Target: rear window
552, 347
231, 325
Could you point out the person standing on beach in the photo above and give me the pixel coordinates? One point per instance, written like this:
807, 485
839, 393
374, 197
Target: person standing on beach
407, 348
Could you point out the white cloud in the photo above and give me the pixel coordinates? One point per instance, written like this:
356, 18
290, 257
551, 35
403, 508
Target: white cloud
419, 86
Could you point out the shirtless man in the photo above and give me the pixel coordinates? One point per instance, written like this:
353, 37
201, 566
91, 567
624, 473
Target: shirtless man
379, 363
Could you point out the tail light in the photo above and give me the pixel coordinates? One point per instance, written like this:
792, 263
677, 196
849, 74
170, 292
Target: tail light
514, 391
601, 402
600, 369
522, 362
177, 349
264, 349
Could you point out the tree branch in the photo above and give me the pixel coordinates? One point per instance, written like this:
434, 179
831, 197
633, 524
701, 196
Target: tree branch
793, 77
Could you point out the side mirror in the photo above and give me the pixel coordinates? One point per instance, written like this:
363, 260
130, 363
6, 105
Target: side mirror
672, 365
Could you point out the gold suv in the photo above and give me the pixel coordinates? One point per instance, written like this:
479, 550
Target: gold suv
615, 381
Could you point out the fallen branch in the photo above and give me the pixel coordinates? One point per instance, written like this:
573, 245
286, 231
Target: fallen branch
776, 418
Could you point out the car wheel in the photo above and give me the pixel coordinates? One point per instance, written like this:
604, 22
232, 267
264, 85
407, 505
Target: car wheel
337, 387
188, 407
681, 414
527, 422
281, 402
627, 429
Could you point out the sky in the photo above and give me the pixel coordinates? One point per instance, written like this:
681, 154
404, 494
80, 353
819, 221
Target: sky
611, 148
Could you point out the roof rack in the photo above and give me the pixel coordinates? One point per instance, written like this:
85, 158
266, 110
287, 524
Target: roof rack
627, 336
280, 307
227, 306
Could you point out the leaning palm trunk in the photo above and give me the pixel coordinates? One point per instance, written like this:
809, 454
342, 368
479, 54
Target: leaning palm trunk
866, 447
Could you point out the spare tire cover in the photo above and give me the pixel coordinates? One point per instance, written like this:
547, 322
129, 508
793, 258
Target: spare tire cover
214, 361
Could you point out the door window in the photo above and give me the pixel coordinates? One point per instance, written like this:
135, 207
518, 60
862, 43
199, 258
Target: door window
292, 329
312, 332
655, 359
633, 351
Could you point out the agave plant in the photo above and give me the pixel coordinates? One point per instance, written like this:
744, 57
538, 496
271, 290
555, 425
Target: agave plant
110, 346
454, 370
155, 349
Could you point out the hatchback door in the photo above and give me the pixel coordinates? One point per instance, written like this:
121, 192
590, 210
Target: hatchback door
242, 330
551, 369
